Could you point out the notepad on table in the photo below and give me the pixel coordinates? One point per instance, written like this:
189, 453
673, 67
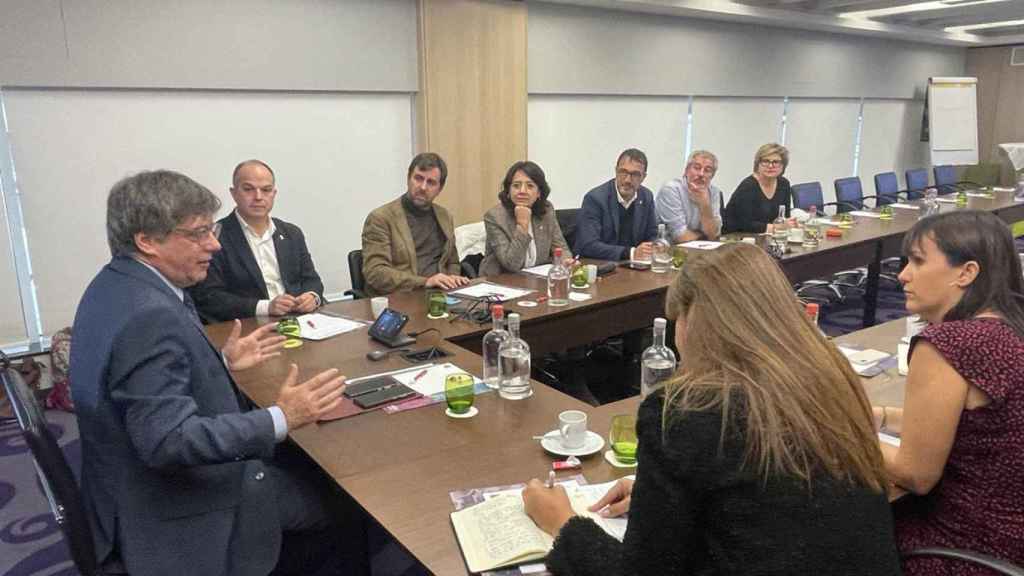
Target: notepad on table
905, 206
497, 532
318, 326
865, 214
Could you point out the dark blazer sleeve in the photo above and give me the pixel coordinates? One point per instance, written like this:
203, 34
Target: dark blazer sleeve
305, 278
153, 378
215, 300
740, 211
588, 231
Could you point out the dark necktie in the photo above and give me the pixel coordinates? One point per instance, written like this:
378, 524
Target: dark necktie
190, 305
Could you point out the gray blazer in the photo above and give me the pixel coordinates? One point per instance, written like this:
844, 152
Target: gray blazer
506, 244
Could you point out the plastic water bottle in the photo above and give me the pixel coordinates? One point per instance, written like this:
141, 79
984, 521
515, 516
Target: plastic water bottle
658, 362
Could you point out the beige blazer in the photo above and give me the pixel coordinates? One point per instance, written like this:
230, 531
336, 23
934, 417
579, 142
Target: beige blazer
389, 253
507, 244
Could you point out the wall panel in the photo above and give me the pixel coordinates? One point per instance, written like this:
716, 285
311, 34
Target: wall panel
336, 156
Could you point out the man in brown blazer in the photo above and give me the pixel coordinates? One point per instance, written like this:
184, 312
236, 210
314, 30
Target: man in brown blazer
409, 243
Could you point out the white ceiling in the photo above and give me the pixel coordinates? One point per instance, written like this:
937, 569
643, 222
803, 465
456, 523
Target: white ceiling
928, 25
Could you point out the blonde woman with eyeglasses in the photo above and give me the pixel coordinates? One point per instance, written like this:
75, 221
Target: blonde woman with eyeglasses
755, 203
760, 456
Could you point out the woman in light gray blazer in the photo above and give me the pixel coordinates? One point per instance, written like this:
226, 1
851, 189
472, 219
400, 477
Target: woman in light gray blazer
522, 230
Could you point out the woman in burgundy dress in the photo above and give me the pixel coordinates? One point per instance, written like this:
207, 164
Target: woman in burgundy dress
962, 421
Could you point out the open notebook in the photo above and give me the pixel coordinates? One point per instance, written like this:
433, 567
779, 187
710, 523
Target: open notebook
498, 533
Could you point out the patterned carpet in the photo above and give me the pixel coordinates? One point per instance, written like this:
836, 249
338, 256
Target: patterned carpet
31, 543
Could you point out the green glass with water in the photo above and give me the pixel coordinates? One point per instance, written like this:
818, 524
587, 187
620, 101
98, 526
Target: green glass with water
290, 329
458, 392
437, 304
579, 276
623, 438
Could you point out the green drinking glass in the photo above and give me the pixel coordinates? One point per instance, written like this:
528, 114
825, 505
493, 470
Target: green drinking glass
290, 329
886, 213
579, 277
678, 256
623, 438
437, 305
458, 392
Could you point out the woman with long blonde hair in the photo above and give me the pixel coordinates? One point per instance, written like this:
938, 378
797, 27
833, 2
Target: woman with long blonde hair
759, 456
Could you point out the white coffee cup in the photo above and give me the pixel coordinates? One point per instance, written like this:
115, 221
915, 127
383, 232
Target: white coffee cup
572, 425
914, 325
591, 274
903, 350
378, 305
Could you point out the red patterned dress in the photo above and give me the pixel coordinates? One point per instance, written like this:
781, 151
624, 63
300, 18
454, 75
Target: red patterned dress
978, 504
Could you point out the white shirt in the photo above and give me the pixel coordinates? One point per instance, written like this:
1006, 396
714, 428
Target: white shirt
626, 205
262, 246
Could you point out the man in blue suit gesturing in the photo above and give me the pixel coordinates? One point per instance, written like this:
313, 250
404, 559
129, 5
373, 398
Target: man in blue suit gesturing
618, 221
178, 470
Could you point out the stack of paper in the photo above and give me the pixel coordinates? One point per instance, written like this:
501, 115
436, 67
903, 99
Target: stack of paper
429, 379
541, 270
865, 214
702, 244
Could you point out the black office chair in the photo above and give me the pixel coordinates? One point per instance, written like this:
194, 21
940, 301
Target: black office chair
55, 476
994, 564
917, 182
567, 222
471, 265
355, 274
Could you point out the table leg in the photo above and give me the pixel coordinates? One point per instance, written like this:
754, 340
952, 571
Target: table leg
871, 288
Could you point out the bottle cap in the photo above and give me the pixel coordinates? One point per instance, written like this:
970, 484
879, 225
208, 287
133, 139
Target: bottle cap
558, 254
497, 311
660, 322
812, 308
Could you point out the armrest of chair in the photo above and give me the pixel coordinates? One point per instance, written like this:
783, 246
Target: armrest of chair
1000, 566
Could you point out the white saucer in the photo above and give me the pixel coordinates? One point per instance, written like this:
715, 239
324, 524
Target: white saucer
467, 414
429, 317
552, 442
609, 455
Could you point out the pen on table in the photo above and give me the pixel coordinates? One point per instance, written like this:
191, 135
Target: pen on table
551, 479
422, 373
311, 325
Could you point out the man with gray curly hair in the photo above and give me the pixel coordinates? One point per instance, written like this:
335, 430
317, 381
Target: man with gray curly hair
179, 469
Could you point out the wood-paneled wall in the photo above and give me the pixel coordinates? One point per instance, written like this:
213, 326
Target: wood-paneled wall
1000, 99
471, 108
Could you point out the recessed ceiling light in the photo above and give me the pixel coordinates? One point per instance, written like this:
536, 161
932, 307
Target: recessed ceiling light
985, 25
918, 7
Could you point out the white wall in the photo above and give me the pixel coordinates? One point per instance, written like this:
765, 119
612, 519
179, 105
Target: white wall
821, 135
890, 140
577, 140
733, 128
336, 157
351, 45
575, 50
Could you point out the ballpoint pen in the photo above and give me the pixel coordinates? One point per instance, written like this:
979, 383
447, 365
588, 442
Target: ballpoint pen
551, 479
311, 325
422, 373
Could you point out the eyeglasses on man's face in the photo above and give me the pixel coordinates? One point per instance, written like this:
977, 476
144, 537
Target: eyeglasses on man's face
633, 174
200, 234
